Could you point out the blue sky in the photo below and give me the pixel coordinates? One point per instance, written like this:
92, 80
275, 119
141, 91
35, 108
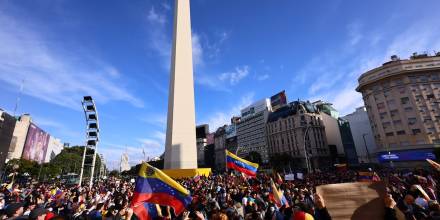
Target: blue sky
119, 52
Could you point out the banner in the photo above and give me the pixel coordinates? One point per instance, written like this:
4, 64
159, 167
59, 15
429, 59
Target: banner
289, 177
36, 143
360, 200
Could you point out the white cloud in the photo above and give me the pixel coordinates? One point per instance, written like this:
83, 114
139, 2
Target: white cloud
263, 77
159, 40
354, 33
155, 17
158, 120
197, 50
334, 78
220, 118
50, 73
61, 129
236, 76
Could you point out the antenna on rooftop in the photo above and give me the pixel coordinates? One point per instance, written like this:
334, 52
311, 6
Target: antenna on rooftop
19, 96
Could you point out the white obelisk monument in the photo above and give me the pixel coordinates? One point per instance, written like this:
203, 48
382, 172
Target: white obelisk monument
180, 145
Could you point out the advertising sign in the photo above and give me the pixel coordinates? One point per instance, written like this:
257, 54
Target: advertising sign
210, 138
36, 143
256, 107
278, 100
231, 131
410, 155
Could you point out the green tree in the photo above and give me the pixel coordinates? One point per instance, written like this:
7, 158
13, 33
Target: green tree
255, 157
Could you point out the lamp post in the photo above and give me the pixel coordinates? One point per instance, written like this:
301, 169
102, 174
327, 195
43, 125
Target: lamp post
366, 148
305, 150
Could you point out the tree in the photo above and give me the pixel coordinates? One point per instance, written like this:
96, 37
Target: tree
114, 173
254, 157
70, 160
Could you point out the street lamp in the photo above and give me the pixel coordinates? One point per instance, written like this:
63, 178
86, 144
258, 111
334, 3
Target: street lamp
366, 148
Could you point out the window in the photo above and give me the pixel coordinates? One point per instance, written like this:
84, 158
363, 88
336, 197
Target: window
424, 79
404, 100
430, 96
412, 79
420, 142
389, 134
401, 89
394, 112
399, 82
397, 122
391, 102
427, 119
430, 130
382, 115
385, 125
416, 131
402, 132
408, 109
404, 143
380, 105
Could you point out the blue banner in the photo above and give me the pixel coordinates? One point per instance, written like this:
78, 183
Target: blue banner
410, 155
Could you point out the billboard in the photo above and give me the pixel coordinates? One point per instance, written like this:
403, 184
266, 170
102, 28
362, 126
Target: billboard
210, 138
256, 107
410, 155
36, 143
231, 131
278, 100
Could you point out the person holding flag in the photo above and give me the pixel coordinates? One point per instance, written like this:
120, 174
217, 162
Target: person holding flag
278, 197
241, 165
155, 187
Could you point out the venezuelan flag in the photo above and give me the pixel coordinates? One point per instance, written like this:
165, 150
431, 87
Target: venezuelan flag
241, 165
147, 211
154, 186
278, 197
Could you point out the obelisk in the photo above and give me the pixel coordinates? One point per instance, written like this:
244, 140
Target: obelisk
180, 144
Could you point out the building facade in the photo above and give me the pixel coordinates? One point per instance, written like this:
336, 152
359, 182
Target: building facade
220, 147
7, 125
54, 147
297, 127
401, 98
330, 118
225, 138
363, 138
19, 136
202, 132
351, 156
251, 130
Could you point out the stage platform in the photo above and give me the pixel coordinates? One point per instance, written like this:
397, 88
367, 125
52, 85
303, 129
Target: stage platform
187, 173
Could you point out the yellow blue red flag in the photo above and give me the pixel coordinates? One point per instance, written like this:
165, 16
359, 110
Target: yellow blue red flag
241, 165
154, 186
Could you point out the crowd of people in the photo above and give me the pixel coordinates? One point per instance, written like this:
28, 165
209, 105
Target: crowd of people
220, 197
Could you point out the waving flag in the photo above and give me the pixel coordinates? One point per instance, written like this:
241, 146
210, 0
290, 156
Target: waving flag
241, 165
278, 196
147, 211
154, 186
